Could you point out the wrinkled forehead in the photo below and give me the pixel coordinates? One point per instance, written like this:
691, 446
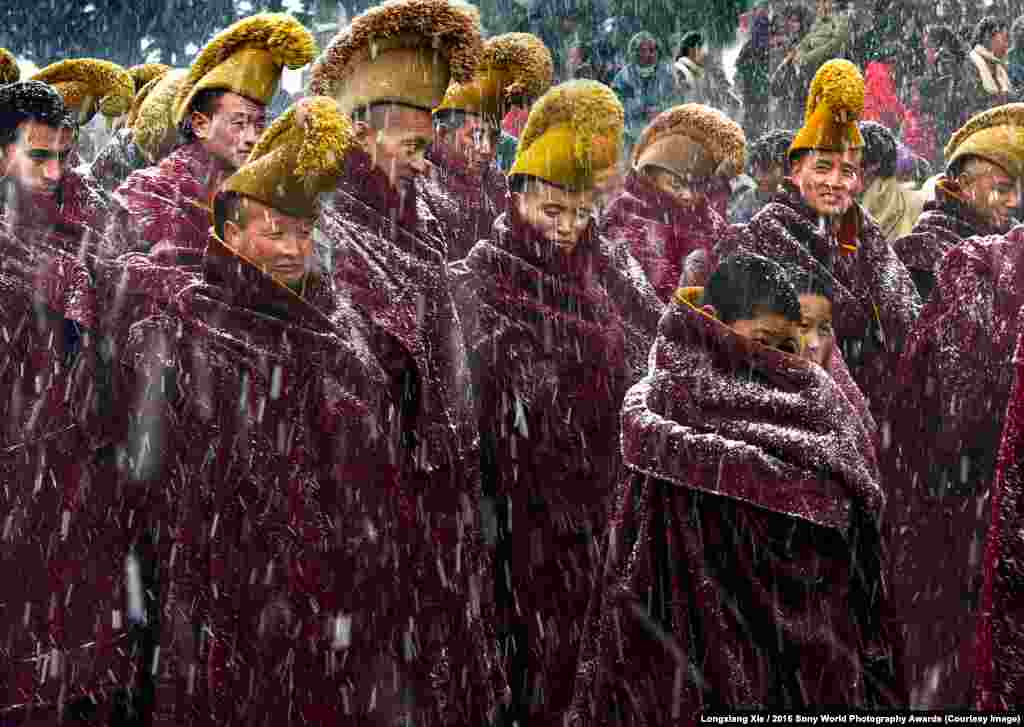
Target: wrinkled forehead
233, 103
36, 135
550, 194
821, 158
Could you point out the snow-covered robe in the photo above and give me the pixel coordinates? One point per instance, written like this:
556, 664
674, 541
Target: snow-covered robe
169, 204
1000, 658
945, 222
465, 205
75, 220
875, 301
953, 385
387, 254
64, 634
659, 231
744, 560
117, 160
546, 349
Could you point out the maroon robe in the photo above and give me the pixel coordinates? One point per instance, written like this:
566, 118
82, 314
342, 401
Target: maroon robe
744, 562
546, 348
169, 204
875, 301
1000, 658
659, 231
64, 634
466, 205
118, 159
75, 219
953, 387
945, 222
387, 255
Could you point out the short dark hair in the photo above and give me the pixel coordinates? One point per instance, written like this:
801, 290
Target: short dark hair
693, 39
987, 27
30, 101
205, 102
811, 282
228, 206
745, 286
770, 149
879, 148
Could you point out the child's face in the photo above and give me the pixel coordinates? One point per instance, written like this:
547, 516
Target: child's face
770, 329
816, 334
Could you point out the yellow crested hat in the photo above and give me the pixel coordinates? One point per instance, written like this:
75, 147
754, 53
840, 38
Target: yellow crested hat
996, 135
401, 51
9, 71
515, 67
835, 103
146, 72
299, 157
573, 136
88, 85
152, 115
247, 58
693, 141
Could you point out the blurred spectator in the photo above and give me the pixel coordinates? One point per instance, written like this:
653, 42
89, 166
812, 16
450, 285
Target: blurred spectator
944, 86
1015, 56
894, 204
829, 37
644, 86
768, 165
881, 100
753, 77
787, 87
990, 82
918, 130
691, 78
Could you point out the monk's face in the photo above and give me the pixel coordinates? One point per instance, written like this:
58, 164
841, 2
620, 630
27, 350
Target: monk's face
991, 192
279, 244
674, 185
397, 138
770, 329
231, 129
816, 335
36, 160
828, 180
475, 142
555, 214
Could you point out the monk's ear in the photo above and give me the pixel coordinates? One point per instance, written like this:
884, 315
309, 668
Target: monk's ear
710, 310
200, 124
362, 132
232, 234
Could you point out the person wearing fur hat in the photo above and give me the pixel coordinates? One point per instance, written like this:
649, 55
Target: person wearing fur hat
547, 351
954, 381
978, 194
9, 70
744, 567
464, 188
121, 156
684, 158
39, 191
389, 69
219, 109
815, 222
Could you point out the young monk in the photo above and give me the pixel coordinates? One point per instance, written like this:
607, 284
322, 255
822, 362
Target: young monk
743, 567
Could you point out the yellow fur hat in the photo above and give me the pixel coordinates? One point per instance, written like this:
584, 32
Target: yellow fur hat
401, 51
693, 141
146, 72
834, 105
88, 85
152, 115
996, 135
247, 58
300, 156
514, 68
9, 71
573, 136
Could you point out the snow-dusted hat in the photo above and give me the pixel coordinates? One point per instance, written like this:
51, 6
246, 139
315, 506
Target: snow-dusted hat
247, 58
573, 136
835, 103
31, 100
151, 118
693, 141
401, 51
9, 71
144, 73
513, 68
996, 135
300, 156
88, 85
